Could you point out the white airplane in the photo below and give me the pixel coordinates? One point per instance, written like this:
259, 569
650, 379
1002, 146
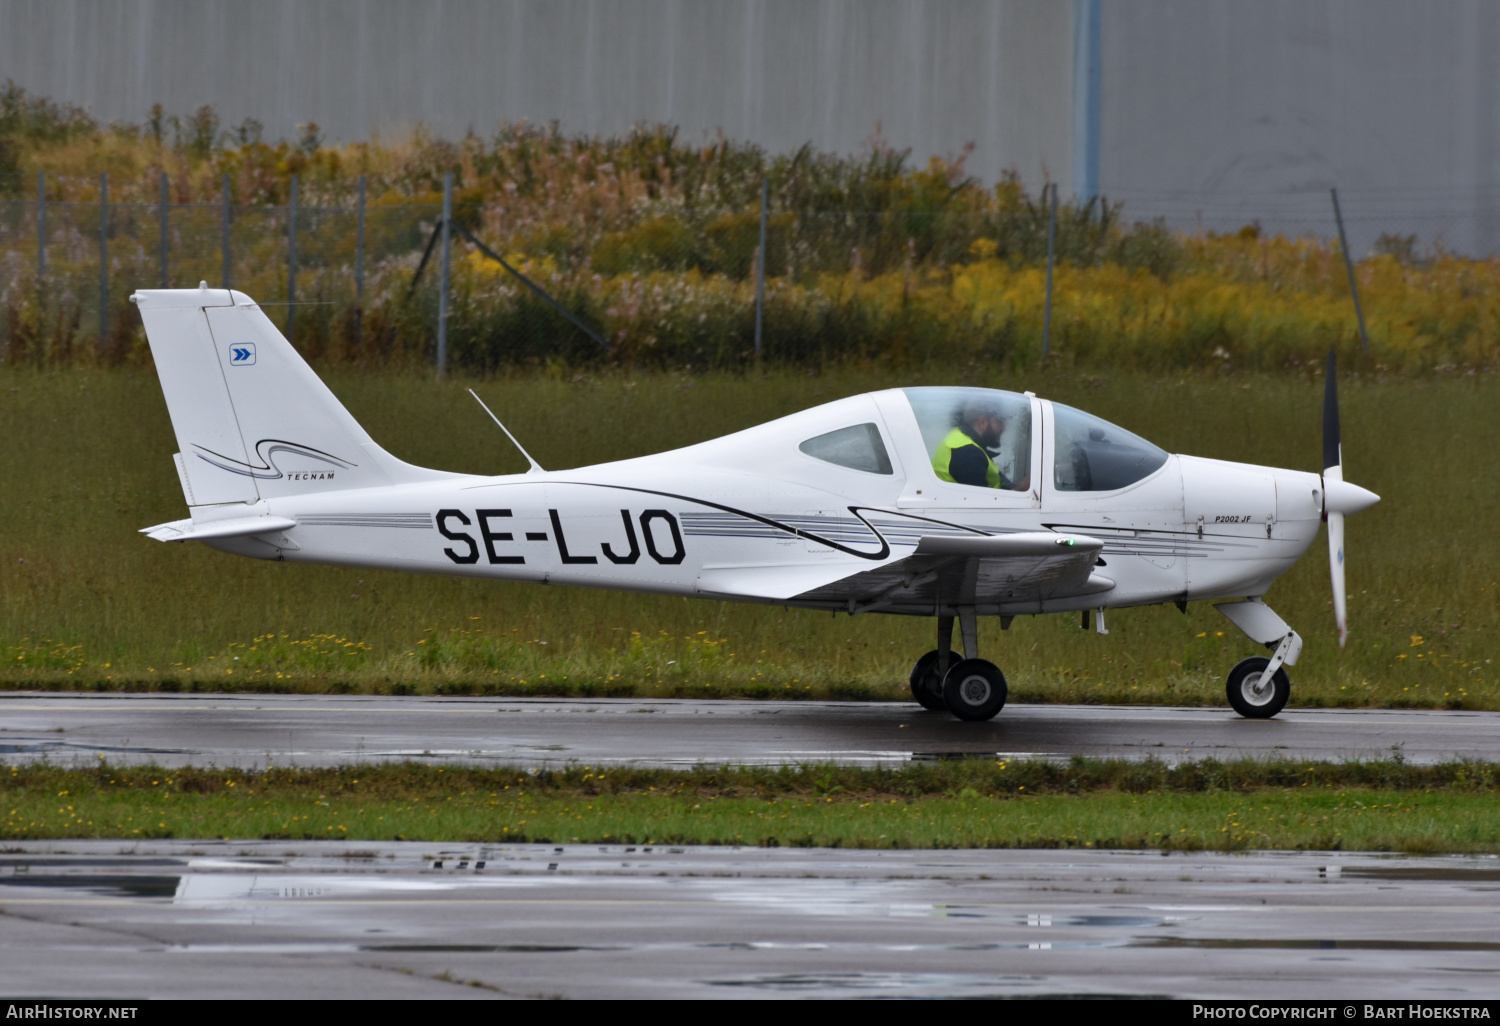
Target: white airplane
953, 503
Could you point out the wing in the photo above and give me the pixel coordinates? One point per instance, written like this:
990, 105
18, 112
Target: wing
981, 570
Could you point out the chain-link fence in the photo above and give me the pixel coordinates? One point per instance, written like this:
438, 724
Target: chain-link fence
645, 285
1417, 222
70, 267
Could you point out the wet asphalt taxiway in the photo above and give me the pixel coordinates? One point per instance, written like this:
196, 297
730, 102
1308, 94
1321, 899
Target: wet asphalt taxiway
329, 919
253, 730
332, 920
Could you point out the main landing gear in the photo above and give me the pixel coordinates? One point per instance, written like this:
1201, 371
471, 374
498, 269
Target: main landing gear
970, 688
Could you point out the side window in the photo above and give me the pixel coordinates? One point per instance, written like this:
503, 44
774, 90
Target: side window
858, 448
1093, 455
976, 436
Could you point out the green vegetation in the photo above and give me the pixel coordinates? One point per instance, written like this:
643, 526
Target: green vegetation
85, 602
1373, 806
871, 257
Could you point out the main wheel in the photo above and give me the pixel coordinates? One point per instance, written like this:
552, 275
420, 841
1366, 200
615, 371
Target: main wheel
926, 685
1254, 696
974, 689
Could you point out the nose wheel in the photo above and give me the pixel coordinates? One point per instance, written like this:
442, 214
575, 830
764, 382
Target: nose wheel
1253, 692
970, 688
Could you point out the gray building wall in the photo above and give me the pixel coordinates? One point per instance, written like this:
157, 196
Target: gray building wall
1212, 113
1220, 112
929, 75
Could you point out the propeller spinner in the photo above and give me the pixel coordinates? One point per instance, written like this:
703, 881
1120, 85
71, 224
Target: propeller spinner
1339, 497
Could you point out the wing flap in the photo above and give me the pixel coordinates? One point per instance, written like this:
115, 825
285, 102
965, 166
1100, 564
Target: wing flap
978, 570
1000, 546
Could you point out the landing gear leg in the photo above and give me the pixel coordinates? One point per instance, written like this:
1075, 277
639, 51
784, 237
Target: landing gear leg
968, 629
927, 675
973, 689
1258, 688
945, 645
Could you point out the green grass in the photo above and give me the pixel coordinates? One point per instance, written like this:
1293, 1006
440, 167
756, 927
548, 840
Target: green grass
971, 804
85, 602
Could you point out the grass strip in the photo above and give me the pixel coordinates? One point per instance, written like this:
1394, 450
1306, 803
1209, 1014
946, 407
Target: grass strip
1208, 805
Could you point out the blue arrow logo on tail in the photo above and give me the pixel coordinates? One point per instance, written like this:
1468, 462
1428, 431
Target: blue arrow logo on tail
242, 355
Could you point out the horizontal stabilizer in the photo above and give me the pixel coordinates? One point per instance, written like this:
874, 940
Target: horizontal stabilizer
189, 530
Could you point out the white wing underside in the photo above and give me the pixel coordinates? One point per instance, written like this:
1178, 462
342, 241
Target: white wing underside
993, 570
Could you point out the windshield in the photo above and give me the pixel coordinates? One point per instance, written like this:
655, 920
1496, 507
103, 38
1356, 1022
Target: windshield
1094, 455
979, 437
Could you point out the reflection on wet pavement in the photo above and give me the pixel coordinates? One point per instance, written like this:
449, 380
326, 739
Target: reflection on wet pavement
253, 731
160, 919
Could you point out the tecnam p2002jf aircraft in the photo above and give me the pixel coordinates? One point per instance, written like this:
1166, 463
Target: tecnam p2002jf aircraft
953, 503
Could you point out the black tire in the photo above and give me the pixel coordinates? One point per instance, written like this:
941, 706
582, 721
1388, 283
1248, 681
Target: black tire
1246, 695
974, 689
926, 685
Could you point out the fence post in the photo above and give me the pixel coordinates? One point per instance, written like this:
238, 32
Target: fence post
41, 226
1349, 267
359, 269
164, 229
224, 230
103, 259
442, 325
1051, 258
760, 267
291, 263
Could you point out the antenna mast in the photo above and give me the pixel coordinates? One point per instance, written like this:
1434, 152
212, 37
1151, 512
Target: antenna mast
536, 468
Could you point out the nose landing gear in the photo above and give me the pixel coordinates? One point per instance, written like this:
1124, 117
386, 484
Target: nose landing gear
1258, 688
970, 688
1253, 692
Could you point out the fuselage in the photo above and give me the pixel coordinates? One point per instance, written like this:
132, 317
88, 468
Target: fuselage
771, 514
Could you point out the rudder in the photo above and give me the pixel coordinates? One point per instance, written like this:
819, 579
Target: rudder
252, 419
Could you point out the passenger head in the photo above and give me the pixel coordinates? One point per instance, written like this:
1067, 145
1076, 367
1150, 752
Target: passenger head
982, 419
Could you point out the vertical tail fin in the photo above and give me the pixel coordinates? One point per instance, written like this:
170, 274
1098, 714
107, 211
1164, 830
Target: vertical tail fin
252, 419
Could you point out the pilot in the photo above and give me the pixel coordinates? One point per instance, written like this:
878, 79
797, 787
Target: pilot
963, 456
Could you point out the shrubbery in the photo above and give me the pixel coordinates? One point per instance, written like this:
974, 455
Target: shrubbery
656, 242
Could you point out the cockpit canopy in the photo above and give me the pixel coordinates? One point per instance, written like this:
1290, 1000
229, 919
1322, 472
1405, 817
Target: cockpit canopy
1088, 454
965, 438
1093, 455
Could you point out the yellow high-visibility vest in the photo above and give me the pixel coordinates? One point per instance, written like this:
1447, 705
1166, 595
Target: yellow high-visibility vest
953, 441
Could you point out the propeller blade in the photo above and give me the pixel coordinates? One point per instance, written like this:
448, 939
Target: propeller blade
1332, 449
1336, 571
1333, 474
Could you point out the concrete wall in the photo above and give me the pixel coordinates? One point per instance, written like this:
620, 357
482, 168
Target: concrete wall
931, 75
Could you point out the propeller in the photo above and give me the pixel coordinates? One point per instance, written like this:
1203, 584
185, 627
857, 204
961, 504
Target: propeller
1339, 497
